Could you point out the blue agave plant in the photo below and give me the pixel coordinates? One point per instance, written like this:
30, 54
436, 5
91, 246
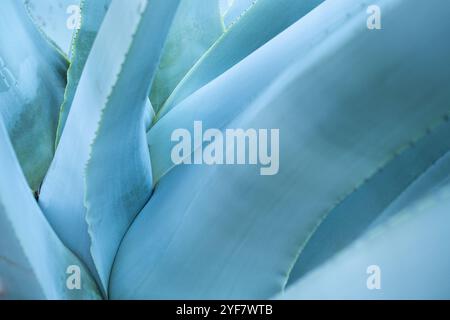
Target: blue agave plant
88, 187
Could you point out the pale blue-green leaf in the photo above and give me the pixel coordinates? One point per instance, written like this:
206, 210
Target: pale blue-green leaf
58, 19
196, 26
92, 14
412, 251
236, 10
357, 213
33, 261
230, 233
119, 175
105, 132
224, 98
433, 179
149, 115
248, 34
32, 81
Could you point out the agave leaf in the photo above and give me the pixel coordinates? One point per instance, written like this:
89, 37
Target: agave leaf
121, 141
236, 10
92, 14
33, 261
244, 37
230, 233
32, 81
403, 247
105, 132
223, 99
57, 19
360, 211
434, 178
197, 25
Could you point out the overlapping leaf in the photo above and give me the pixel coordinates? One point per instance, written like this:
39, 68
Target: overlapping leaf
244, 37
230, 233
58, 19
197, 25
367, 205
32, 81
92, 14
409, 250
105, 132
113, 200
33, 261
363, 127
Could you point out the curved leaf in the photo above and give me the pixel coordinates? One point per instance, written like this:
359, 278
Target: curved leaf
92, 14
230, 233
33, 261
196, 26
32, 81
98, 135
57, 19
238, 42
358, 213
223, 99
433, 179
120, 146
411, 251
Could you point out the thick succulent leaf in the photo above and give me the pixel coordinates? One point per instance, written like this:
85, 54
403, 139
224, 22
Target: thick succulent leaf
33, 261
57, 19
358, 213
32, 81
412, 250
230, 234
236, 10
92, 13
197, 25
433, 179
244, 37
120, 147
105, 132
223, 99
